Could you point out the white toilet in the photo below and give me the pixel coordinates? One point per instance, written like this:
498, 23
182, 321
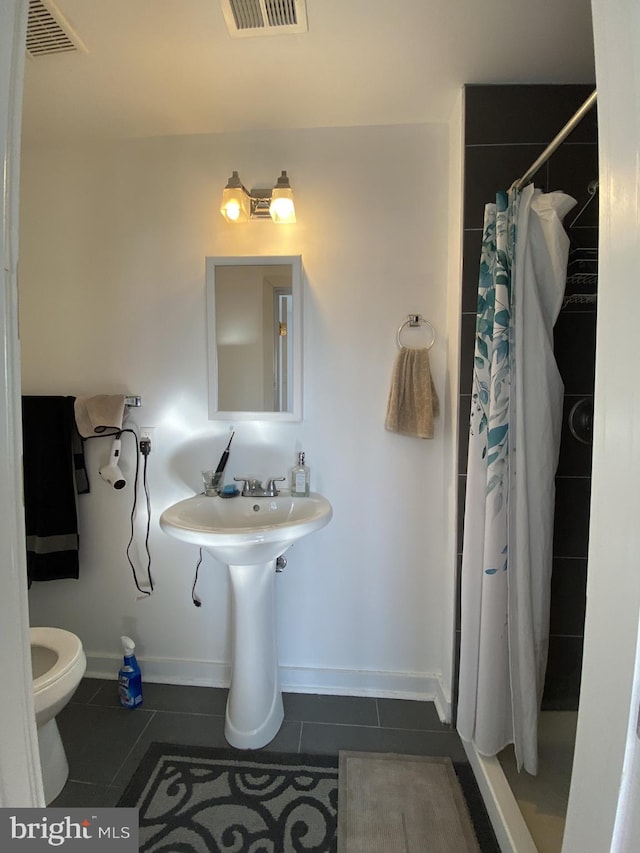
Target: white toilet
58, 663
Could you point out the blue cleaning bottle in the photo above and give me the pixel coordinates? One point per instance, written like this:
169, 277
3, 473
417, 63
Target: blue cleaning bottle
129, 677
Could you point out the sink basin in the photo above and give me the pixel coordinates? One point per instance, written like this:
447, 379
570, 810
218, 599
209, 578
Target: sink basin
249, 534
245, 531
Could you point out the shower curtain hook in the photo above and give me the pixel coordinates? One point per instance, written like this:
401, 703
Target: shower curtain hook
592, 189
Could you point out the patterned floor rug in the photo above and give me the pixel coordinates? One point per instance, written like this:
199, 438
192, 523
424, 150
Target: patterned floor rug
199, 800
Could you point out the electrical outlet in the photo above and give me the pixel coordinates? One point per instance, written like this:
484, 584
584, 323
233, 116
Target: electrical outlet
150, 433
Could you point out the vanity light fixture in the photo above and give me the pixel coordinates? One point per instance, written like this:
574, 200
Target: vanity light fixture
235, 206
240, 205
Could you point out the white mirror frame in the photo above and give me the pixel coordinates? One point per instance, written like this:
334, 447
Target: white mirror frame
295, 414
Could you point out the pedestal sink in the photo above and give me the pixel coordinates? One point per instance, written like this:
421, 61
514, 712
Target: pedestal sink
249, 534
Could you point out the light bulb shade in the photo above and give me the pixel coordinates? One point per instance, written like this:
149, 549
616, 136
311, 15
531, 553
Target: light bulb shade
282, 209
235, 205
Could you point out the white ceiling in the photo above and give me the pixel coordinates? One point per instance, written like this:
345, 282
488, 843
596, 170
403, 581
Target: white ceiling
163, 67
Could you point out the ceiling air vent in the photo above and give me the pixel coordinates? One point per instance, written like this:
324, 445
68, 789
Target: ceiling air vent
264, 17
48, 32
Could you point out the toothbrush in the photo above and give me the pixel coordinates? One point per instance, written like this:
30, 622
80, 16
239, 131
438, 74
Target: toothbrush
223, 461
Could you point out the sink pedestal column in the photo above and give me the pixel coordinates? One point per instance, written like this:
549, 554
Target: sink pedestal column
254, 706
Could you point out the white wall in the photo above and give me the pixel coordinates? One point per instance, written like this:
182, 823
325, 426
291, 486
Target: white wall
113, 241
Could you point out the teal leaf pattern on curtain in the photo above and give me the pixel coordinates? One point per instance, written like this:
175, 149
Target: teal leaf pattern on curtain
492, 357
514, 440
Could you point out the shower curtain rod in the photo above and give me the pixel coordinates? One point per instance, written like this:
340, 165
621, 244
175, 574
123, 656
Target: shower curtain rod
555, 143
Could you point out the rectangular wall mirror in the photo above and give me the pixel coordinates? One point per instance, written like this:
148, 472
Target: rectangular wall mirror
254, 319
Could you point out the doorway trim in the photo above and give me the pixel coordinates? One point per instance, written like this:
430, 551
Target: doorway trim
20, 775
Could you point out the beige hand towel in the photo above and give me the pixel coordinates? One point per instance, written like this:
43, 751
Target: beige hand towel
99, 415
413, 402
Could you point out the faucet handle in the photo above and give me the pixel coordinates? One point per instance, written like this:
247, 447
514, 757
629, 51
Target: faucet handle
271, 483
245, 482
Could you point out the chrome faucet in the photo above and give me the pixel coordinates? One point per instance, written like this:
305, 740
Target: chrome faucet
253, 488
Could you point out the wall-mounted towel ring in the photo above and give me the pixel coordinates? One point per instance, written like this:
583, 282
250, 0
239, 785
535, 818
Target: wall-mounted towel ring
414, 320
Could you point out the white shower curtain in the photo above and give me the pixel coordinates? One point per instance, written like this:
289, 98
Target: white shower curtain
513, 453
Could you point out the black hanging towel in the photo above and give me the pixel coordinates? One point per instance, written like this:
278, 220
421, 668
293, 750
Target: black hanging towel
49, 436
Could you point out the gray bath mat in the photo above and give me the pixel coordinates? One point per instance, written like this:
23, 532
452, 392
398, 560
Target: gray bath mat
203, 800
401, 804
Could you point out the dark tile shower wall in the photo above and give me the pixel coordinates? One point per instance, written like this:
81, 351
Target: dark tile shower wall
506, 129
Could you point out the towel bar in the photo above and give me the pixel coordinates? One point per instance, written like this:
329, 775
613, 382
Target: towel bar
414, 320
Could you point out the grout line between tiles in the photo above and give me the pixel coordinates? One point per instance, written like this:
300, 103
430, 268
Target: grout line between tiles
519, 144
93, 696
573, 476
569, 558
385, 728
133, 746
186, 713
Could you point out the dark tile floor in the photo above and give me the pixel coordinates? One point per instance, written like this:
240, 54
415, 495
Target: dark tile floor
105, 742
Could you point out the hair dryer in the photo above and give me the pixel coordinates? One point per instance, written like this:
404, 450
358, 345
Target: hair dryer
111, 472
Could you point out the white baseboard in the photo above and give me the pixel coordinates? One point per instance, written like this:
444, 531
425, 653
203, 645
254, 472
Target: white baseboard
198, 673
340, 682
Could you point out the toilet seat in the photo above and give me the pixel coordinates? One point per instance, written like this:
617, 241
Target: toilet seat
65, 645
58, 663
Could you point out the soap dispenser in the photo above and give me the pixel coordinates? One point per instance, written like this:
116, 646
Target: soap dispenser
300, 479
